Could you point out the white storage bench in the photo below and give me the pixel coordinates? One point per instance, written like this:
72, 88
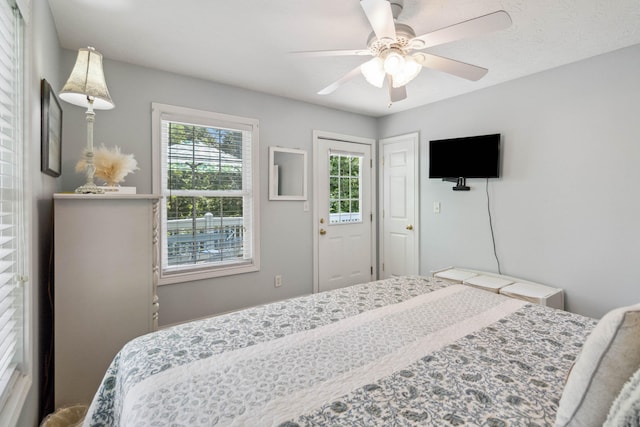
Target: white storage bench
510, 286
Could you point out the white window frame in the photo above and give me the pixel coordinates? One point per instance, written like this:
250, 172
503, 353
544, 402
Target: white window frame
21, 382
163, 112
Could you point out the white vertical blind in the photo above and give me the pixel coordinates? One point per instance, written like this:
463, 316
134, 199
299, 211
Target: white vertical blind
11, 215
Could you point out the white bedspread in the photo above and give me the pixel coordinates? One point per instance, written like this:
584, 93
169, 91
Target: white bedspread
314, 375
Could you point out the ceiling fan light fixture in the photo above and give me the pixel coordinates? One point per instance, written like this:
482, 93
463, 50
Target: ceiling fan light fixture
393, 62
409, 71
373, 72
391, 44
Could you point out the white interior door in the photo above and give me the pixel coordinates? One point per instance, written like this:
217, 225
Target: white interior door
399, 203
343, 213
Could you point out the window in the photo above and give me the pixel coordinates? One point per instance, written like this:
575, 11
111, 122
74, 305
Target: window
14, 339
344, 187
207, 172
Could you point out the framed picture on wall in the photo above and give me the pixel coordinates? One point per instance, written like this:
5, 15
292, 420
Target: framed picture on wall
51, 152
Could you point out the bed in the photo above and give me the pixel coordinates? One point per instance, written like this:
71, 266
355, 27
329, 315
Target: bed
400, 351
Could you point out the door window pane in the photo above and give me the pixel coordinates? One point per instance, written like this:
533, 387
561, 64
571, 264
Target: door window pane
344, 188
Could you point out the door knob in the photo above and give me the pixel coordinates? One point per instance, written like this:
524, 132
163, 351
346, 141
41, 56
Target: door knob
323, 231
409, 227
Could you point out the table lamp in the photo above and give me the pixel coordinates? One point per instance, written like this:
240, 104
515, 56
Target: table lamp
86, 87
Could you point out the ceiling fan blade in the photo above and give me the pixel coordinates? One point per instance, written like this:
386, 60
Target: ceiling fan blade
451, 66
380, 17
396, 93
335, 85
320, 53
483, 24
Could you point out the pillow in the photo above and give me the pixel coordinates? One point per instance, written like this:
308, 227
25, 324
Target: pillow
608, 359
625, 411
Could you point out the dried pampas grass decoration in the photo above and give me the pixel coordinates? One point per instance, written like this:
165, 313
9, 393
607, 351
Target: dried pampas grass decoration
111, 165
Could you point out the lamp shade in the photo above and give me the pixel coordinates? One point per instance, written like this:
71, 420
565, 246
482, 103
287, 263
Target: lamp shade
409, 70
373, 71
86, 82
393, 62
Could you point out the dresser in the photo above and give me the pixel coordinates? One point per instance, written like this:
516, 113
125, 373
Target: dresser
106, 258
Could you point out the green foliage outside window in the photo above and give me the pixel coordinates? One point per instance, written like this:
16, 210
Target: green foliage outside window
203, 159
344, 184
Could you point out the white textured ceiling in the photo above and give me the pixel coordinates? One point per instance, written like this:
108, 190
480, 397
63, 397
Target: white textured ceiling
246, 43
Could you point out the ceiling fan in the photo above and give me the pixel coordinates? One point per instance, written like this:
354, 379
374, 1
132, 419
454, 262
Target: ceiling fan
396, 48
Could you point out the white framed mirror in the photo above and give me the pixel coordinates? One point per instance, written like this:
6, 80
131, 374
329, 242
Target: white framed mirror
287, 174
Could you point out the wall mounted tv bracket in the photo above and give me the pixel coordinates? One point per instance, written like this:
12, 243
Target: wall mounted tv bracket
461, 183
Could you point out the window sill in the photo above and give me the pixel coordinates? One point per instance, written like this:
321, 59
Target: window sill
169, 278
12, 409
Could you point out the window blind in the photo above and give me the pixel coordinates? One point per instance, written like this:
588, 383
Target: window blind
205, 167
11, 215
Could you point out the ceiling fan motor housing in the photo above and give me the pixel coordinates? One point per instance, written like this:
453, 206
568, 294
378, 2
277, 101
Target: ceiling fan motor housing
404, 35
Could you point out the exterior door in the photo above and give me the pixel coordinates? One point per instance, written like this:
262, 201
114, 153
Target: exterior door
399, 205
343, 213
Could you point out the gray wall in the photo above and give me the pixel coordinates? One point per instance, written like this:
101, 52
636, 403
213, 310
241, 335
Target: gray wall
43, 61
566, 209
286, 230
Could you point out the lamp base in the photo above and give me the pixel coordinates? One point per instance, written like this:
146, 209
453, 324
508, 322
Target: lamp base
89, 188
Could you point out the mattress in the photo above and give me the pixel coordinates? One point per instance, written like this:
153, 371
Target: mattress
400, 351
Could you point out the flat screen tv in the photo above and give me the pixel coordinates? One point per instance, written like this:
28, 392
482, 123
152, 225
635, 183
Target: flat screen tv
457, 159
469, 157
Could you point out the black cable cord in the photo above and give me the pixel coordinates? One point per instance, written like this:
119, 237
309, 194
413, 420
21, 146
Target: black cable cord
493, 238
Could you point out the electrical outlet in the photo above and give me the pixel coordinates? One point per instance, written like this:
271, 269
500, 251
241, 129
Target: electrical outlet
436, 207
277, 281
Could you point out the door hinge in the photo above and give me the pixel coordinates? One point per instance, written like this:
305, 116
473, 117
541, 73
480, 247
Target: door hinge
371, 216
383, 266
371, 163
372, 270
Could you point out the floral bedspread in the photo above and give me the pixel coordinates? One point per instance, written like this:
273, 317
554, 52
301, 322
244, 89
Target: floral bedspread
401, 351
